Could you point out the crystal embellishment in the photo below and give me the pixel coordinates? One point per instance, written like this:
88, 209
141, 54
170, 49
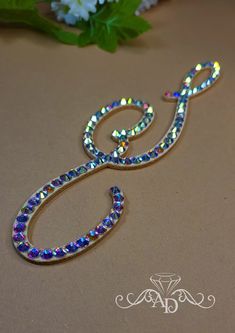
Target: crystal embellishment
116, 159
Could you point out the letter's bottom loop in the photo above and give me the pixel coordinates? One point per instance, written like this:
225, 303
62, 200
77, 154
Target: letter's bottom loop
50, 255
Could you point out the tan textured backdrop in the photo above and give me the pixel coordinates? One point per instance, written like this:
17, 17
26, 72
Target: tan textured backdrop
179, 215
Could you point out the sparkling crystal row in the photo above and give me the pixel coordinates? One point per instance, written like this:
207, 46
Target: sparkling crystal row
21, 225
115, 159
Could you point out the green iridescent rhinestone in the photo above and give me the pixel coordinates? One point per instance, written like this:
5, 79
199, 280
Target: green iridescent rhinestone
131, 132
90, 147
42, 195
115, 134
173, 135
150, 110
137, 130
139, 103
94, 119
88, 141
149, 115
123, 101
81, 170
91, 124
88, 129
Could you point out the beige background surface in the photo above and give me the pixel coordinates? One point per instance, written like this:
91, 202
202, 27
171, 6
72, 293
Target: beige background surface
180, 211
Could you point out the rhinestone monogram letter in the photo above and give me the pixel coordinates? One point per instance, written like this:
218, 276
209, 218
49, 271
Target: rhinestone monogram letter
115, 159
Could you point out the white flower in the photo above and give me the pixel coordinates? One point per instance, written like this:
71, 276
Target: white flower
146, 4
71, 11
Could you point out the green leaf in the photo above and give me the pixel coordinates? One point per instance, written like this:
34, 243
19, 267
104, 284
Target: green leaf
107, 39
111, 24
85, 38
25, 13
17, 4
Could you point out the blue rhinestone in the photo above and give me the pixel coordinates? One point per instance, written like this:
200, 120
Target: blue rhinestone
139, 103
20, 227
176, 94
146, 122
118, 197
91, 165
165, 146
184, 99
22, 218
114, 159
145, 158
180, 116
33, 253
168, 141
27, 210
90, 146
87, 135
71, 247
135, 160
98, 161
60, 252
19, 237
82, 242
122, 161
81, 170
46, 254
178, 124
65, 178
128, 161
115, 190
98, 115
56, 182
118, 206
153, 154
100, 229
179, 120
34, 201
149, 115
115, 104
72, 173
114, 217
23, 247
100, 154
93, 234
109, 158
107, 222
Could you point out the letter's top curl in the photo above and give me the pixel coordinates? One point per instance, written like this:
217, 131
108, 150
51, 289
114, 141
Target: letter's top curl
116, 158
